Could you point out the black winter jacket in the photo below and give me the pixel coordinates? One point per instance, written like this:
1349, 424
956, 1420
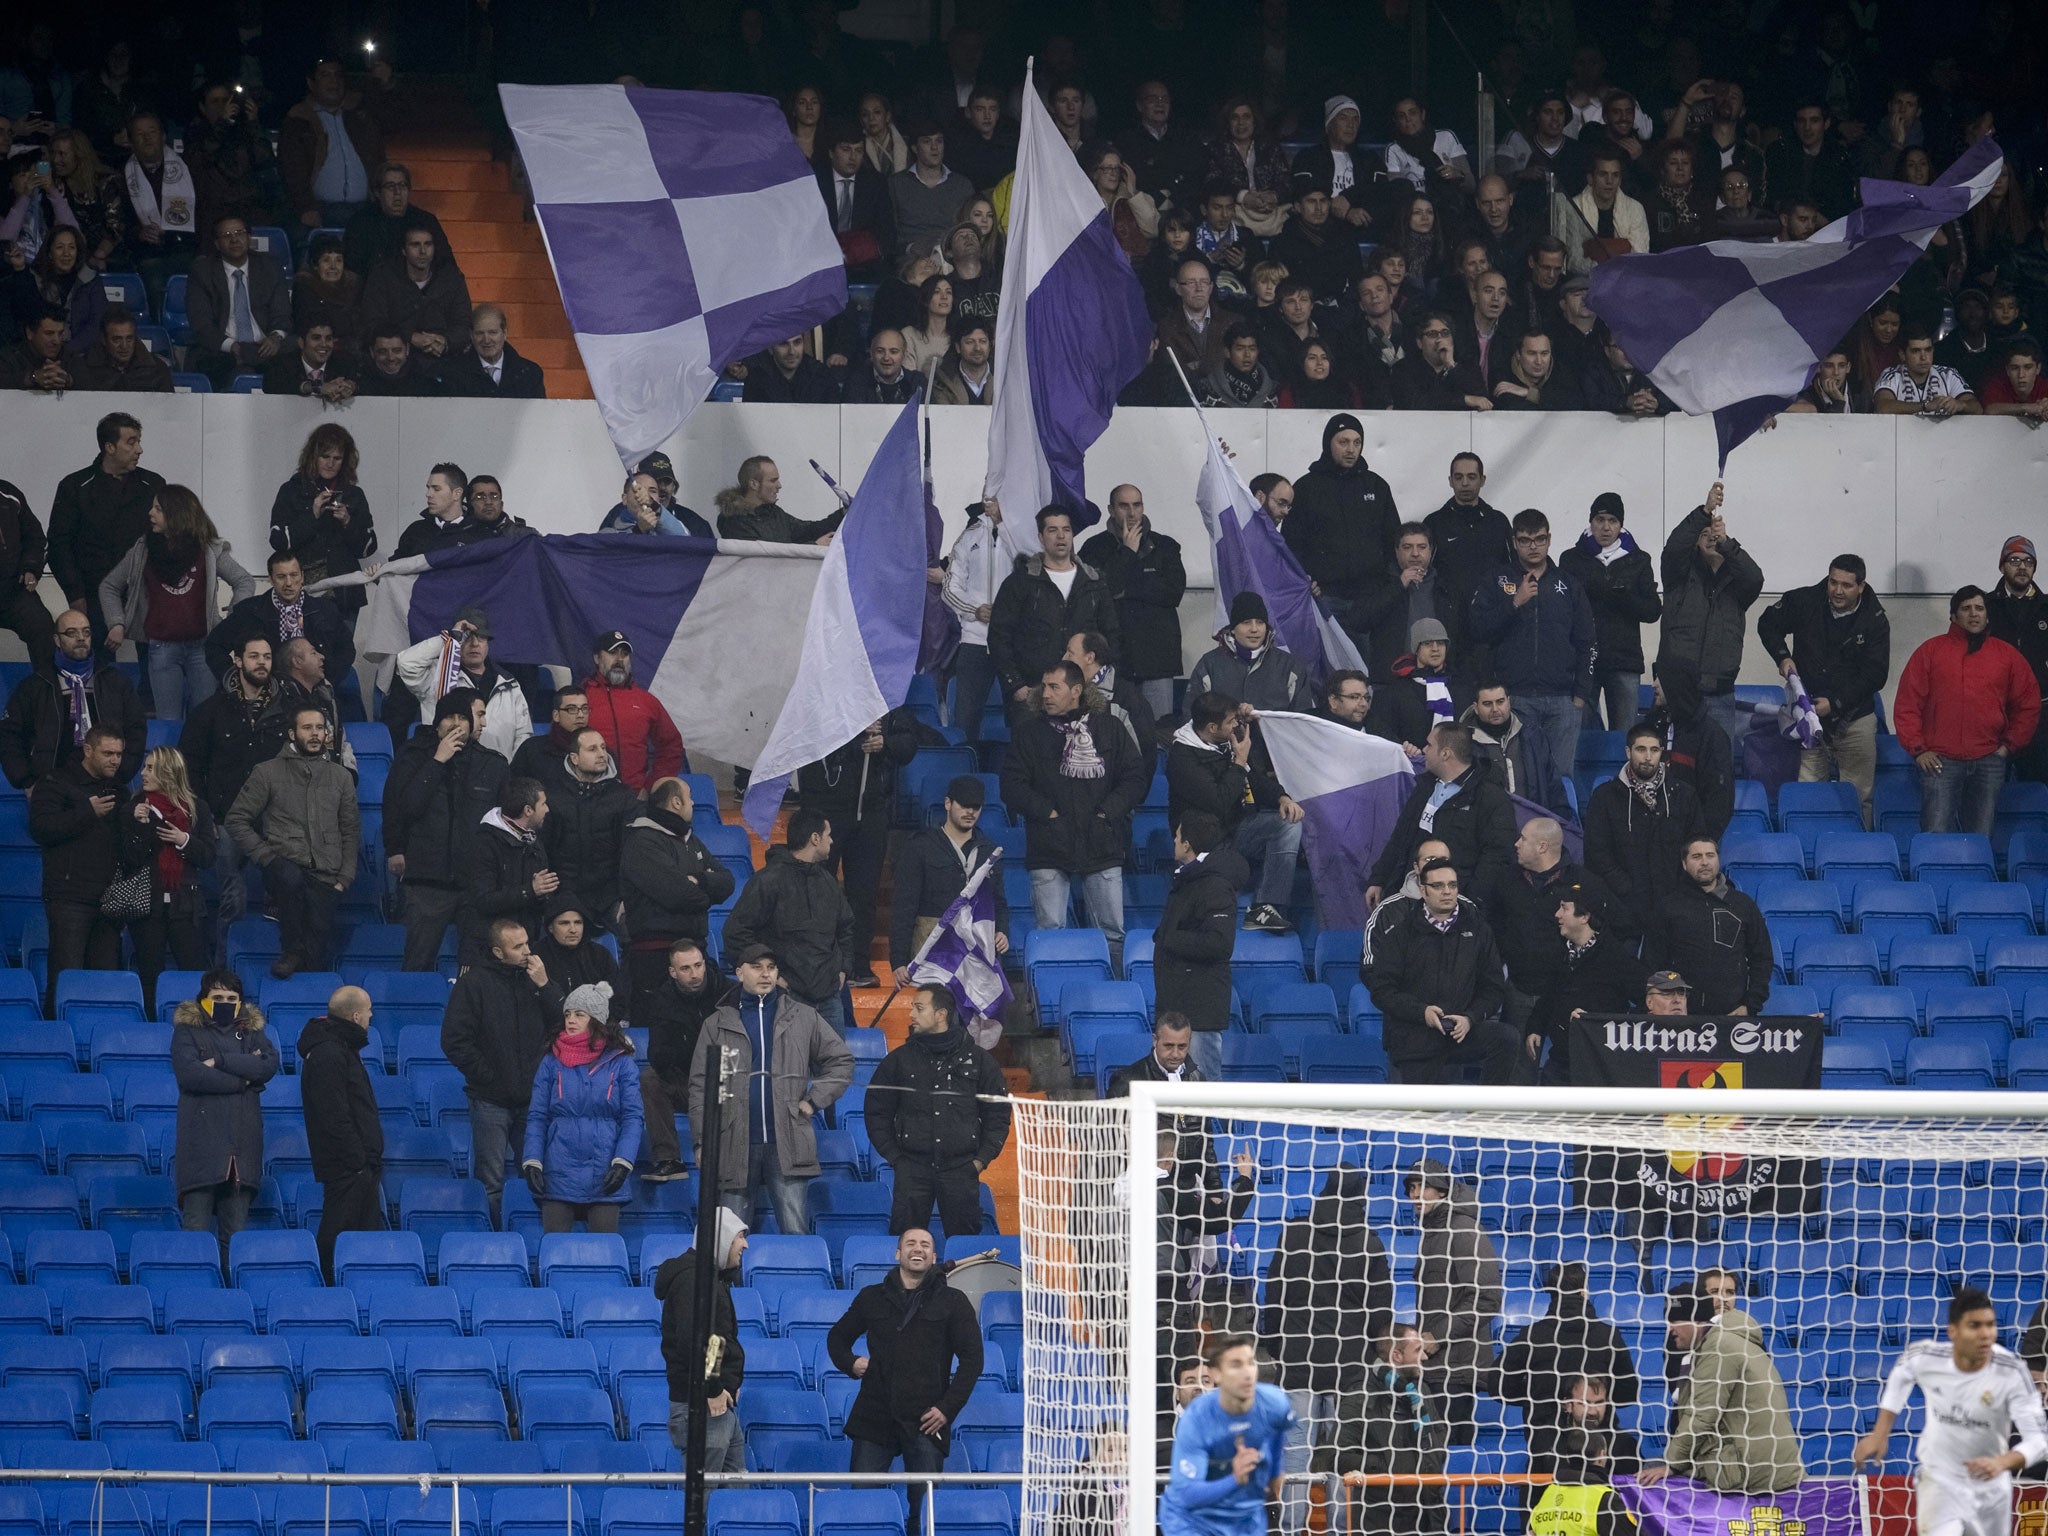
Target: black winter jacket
1416, 967
850, 784
1470, 543
1718, 941
1477, 824
669, 882
220, 1107
1092, 828
1843, 660
225, 737
914, 1339
586, 963
432, 809
1329, 1288
36, 734
1343, 530
674, 1018
928, 1102
498, 882
325, 546
332, 634
81, 849
139, 847
95, 519
675, 1287
1196, 937
496, 1028
1703, 610
1624, 598
1199, 777
1522, 910
584, 833
1146, 585
1030, 623
427, 533
24, 550
2022, 622
1607, 979
1698, 755
342, 1128
799, 911
928, 877
1636, 852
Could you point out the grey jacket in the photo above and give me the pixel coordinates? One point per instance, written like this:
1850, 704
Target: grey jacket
1731, 1425
1457, 1275
1705, 612
124, 592
1275, 679
302, 809
810, 1062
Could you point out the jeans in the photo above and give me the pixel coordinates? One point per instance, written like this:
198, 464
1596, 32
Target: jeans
493, 1127
303, 904
224, 1207
353, 1203
1102, 899
1962, 797
1849, 753
562, 1216
832, 1010
659, 1097
764, 1170
1733, 716
1275, 847
179, 677
952, 1182
725, 1443
974, 675
1205, 1050
1556, 718
1621, 693
80, 940
1158, 696
429, 909
920, 1454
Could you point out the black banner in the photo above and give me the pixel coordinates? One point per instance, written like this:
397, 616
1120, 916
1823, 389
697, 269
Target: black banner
1693, 1051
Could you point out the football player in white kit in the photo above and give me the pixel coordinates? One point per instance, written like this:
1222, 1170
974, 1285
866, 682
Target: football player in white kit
1979, 1396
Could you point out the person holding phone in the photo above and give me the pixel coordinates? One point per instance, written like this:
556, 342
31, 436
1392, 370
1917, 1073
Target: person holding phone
221, 1057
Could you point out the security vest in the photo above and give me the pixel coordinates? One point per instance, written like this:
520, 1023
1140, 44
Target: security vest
1570, 1509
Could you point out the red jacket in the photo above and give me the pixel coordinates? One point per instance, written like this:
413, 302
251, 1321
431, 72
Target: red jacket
644, 742
1966, 705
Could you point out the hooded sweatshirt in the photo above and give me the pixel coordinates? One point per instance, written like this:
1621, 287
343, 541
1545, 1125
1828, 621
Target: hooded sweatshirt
1457, 1273
1345, 524
675, 1287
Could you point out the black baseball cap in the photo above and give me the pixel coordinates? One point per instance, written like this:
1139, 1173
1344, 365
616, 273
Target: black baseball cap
613, 640
966, 790
657, 465
754, 952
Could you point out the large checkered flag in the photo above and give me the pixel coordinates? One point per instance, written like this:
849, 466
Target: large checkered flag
1737, 329
685, 231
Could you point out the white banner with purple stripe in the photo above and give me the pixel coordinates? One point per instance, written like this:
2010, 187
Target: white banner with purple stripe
1350, 787
959, 953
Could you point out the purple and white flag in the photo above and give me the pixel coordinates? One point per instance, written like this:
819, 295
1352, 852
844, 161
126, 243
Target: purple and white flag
1250, 556
685, 231
865, 621
1681, 1506
1798, 720
959, 953
1350, 787
1737, 329
1071, 332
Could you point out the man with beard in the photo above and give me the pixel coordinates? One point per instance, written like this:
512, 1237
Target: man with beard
227, 734
1714, 934
2019, 616
588, 811
673, 1015
1637, 826
643, 740
690, 1377
669, 882
1345, 525
569, 949
441, 785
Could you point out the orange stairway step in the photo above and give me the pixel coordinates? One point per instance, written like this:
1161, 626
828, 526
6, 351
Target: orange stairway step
465, 236
550, 353
459, 176
492, 207
536, 322
504, 268
474, 148
569, 384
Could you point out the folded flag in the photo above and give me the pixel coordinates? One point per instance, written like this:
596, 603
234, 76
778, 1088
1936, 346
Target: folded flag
959, 953
1250, 556
1071, 332
865, 621
1350, 787
685, 230
1737, 329
1797, 718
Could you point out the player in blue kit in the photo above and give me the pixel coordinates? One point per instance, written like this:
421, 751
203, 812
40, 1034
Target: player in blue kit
1227, 1448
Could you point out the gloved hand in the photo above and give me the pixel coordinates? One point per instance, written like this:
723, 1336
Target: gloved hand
616, 1179
536, 1179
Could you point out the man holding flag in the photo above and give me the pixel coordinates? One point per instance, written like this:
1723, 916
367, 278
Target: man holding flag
933, 867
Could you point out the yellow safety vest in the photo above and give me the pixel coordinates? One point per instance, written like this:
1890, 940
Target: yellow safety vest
1569, 1509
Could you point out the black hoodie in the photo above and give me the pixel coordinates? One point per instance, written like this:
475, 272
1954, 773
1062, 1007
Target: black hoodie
1329, 1290
1344, 525
1567, 1341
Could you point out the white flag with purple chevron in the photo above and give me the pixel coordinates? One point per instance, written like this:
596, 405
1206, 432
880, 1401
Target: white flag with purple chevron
959, 953
1737, 329
1350, 786
685, 231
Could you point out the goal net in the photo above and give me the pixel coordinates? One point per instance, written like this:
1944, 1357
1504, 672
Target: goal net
1467, 1292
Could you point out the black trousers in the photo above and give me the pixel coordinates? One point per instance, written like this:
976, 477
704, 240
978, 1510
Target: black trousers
80, 940
303, 904
1494, 1044
429, 909
859, 849
951, 1183
27, 615
174, 926
354, 1203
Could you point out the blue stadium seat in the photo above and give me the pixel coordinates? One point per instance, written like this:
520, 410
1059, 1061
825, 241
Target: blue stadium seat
37, 1413
91, 1151
1948, 860
2026, 1065
366, 1261
1949, 1063
408, 1313
532, 1511
94, 1509
1890, 1016
431, 1209
21, 1512
250, 1413
1889, 911
2017, 963
302, 1314
99, 1310
451, 1414
1750, 858
1807, 810
500, 1314
261, 1363
1827, 961
1292, 1002
52, 1099
1783, 896
406, 1456
431, 1363
23, 1152
1055, 957
322, 1512
540, 1364
469, 1261
341, 1362
1252, 1059
972, 1512
554, 1414
1852, 858
340, 1416
160, 1364
205, 1511
1343, 1059
576, 1261
54, 1259
746, 1512
1991, 911
263, 1263
988, 1418
1265, 957
86, 998
60, 1365
437, 1512
603, 1315
1929, 960
1116, 1050
197, 1312
1856, 1063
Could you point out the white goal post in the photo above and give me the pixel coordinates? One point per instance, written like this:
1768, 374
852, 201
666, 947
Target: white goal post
1787, 1187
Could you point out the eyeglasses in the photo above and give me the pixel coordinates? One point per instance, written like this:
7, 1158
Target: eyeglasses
1439, 885
1532, 538
572, 709
1435, 333
73, 632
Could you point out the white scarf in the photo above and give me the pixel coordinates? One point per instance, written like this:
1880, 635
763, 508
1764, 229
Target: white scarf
177, 212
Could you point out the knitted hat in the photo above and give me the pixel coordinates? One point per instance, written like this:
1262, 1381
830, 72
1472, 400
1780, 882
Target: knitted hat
1609, 504
455, 701
1422, 631
1247, 606
593, 998
2018, 544
1343, 421
1335, 104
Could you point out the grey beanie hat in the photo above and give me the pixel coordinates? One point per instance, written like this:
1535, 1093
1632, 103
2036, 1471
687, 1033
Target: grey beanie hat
593, 998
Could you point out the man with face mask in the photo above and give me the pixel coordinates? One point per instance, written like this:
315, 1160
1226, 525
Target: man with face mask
690, 1377
441, 785
644, 742
297, 818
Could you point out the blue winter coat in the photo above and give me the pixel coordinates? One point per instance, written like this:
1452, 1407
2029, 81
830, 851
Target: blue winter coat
1547, 647
581, 1118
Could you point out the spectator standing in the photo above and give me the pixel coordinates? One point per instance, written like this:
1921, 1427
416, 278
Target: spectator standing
24, 550
491, 368
325, 149
166, 591
377, 231
1047, 598
924, 1356
1538, 626
1217, 765
1524, 906
1395, 1424
444, 523
584, 1124
52, 710
789, 1064
1600, 975
1506, 747
507, 874
644, 742
1696, 749
795, 908
542, 757
1458, 1290
97, 515
239, 306
588, 811
1329, 1291
857, 198
229, 155
1731, 1424
1583, 1453
687, 1357
502, 1015
342, 1129
74, 817
1836, 634
1638, 824
1248, 666
668, 883
1458, 804
1966, 704
460, 657
162, 206
1344, 527
1709, 582
854, 789
422, 295
751, 509
286, 612
168, 831
1392, 714
569, 949
1090, 653
296, 816
221, 1057
1419, 593
931, 868
1712, 933
439, 790
321, 514
1570, 1340
1142, 569
673, 1015
224, 738
1197, 935
2019, 617
1621, 585
940, 1117
1436, 979
1074, 774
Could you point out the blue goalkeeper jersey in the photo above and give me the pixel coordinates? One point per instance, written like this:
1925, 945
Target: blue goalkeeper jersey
1202, 1498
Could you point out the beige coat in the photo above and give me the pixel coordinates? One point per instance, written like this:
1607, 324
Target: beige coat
1732, 1426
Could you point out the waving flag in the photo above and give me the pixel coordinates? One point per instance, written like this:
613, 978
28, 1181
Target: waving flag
959, 953
1737, 330
1350, 787
1250, 556
1071, 332
866, 617
1798, 720
685, 231
712, 625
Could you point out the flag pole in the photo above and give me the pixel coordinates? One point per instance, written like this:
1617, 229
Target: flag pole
932, 938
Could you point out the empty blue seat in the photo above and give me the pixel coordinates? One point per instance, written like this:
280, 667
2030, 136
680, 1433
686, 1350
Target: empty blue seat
437, 1512
365, 1261
21, 1512
1848, 1062
2017, 963
1827, 961
1343, 1059
264, 1262
446, 1414
195, 1311
245, 1363
123, 1206
57, 1098
973, 1512
418, 1312
37, 1413
340, 1415
746, 1512
95, 1509
98, 1310
90, 997
1939, 959
500, 1315
554, 1413
322, 1512
136, 1413
603, 1315
1807, 810
531, 1511
302, 1314
52, 1259
574, 1261
1749, 858
641, 1512
1055, 956
163, 1364
469, 1261
989, 1417
58, 1364
341, 1362
535, 1364
1253, 1059
432, 1362
2026, 1064
221, 1509
1850, 859
1949, 1064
